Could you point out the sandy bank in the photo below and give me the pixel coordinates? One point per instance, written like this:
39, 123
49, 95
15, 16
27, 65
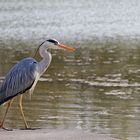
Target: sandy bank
44, 134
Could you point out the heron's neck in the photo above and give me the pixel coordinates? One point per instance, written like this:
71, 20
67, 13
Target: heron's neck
45, 62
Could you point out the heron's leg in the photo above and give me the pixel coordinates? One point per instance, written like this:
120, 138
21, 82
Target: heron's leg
2, 123
21, 109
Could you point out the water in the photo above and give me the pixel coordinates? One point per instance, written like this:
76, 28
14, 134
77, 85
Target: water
95, 88
68, 20
92, 89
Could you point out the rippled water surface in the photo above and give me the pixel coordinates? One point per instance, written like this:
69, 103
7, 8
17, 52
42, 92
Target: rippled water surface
95, 88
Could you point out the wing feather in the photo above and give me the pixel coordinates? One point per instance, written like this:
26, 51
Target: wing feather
19, 79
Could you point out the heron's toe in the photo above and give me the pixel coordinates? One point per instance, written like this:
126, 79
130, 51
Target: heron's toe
29, 128
7, 129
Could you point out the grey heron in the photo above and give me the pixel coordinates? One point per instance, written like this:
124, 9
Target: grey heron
24, 75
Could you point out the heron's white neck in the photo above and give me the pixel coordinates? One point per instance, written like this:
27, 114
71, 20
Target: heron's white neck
45, 62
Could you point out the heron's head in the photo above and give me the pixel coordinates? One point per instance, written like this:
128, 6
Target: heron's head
53, 43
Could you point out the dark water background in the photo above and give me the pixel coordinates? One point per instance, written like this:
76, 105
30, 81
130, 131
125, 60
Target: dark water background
97, 87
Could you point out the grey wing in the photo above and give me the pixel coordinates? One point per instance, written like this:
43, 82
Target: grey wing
19, 79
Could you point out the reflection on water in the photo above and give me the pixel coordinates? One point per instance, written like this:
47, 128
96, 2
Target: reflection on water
94, 88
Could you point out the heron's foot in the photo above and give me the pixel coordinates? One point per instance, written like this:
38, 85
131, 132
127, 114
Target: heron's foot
7, 129
29, 128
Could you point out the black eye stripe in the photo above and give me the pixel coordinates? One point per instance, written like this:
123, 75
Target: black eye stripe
53, 41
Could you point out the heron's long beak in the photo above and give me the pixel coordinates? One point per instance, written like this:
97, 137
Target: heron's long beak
66, 47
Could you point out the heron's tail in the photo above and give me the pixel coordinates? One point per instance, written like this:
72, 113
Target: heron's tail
4, 99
